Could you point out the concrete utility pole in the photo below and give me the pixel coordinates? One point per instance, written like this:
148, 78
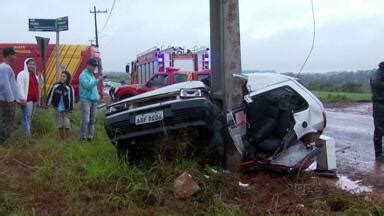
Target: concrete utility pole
226, 61
91, 41
95, 14
225, 50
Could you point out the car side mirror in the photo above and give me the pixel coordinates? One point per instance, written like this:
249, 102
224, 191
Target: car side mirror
127, 68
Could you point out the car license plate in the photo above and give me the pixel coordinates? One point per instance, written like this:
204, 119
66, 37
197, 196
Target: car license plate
149, 117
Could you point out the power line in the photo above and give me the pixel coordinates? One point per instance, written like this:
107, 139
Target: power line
313, 39
109, 15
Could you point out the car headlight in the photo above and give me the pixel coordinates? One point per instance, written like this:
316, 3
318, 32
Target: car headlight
111, 110
189, 93
116, 108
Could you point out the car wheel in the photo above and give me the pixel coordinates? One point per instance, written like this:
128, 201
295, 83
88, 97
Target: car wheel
210, 147
128, 152
122, 150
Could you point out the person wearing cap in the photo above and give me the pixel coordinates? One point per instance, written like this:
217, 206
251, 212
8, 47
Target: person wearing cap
89, 97
9, 94
377, 87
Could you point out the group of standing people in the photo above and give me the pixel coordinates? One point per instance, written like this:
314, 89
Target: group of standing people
24, 90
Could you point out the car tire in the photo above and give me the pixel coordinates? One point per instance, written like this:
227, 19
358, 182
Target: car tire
122, 150
209, 147
128, 152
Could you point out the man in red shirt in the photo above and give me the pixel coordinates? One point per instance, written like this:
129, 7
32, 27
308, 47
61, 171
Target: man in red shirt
28, 82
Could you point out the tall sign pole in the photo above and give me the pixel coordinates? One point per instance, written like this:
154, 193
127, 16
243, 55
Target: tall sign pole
61, 25
95, 14
51, 25
225, 62
57, 55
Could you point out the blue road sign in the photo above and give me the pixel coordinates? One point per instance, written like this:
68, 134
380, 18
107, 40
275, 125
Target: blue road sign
52, 25
42, 25
62, 23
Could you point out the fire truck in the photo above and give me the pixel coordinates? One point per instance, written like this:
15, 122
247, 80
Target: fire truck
157, 60
73, 58
156, 68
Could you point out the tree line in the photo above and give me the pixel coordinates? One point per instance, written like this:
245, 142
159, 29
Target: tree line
341, 81
346, 81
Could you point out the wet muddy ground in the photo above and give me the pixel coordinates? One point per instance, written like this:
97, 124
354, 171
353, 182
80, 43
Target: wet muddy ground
351, 125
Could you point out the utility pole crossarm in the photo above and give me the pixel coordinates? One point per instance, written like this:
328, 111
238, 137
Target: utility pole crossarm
95, 12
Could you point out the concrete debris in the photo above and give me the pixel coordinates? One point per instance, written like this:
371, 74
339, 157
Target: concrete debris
243, 185
184, 186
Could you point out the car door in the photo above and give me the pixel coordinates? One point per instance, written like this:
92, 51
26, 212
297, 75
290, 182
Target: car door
237, 118
308, 112
301, 109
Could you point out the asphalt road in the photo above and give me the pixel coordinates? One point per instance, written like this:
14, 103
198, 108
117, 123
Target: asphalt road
352, 128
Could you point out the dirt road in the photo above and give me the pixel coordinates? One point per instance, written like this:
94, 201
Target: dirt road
352, 128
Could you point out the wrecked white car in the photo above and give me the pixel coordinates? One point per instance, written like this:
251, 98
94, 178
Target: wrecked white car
275, 126
278, 123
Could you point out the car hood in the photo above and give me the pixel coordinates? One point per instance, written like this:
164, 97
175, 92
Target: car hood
166, 90
134, 86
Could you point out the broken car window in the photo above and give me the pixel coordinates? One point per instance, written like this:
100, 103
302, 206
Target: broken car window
180, 78
159, 81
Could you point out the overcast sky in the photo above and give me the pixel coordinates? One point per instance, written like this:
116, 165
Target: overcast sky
275, 34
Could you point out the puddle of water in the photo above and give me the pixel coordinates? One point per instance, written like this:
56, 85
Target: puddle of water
347, 184
358, 108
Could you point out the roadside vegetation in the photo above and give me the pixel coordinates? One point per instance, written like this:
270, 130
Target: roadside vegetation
118, 77
335, 97
338, 87
347, 92
49, 177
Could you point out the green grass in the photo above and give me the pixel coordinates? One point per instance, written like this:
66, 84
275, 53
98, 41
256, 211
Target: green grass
74, 174
332, 97
49, 177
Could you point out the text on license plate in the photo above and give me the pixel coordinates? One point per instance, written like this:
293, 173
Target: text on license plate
149, 117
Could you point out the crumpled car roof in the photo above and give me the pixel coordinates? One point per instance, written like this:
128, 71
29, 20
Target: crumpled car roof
257, 81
